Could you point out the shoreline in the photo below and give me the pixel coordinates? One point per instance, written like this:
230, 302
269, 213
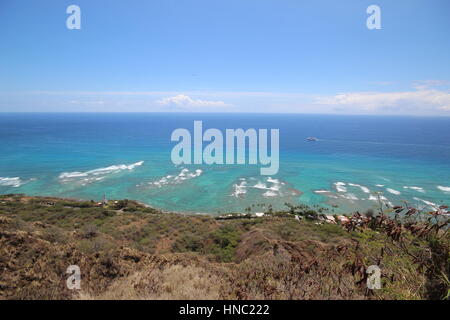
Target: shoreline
344, 206
149, 206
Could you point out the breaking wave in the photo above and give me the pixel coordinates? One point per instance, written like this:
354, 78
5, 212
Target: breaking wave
397, 193
349, 196
340, 187
428, 203
12, 182
95, 175
321, 191
271, 187
363, 188
239, 189
185, 174
418, 189
446, 189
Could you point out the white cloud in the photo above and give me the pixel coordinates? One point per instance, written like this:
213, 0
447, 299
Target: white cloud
426, 84
182, 100
420, 101
87, 103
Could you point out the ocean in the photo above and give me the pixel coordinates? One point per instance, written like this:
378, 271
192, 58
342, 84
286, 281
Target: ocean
357, 162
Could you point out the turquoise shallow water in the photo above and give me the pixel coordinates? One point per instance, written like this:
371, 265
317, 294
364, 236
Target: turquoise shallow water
128, 156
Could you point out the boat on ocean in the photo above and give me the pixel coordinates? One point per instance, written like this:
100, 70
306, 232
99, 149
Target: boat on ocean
312, 139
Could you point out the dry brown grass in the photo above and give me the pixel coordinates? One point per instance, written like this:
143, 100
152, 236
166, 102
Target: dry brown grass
176, 282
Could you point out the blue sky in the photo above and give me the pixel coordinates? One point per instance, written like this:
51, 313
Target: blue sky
234, 55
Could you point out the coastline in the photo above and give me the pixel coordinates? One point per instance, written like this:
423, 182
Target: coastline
256, 207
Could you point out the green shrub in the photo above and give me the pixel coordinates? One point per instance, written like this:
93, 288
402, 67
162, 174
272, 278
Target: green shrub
224, 243
188, 243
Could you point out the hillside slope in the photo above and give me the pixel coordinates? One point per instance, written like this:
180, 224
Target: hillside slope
126, 250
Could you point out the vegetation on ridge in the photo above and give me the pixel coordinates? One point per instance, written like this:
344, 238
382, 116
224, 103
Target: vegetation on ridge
128, 251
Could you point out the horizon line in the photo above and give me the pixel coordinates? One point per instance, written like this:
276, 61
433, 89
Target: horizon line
225, 112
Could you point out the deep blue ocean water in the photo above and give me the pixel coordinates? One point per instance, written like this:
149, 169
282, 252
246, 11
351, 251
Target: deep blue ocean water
356, 160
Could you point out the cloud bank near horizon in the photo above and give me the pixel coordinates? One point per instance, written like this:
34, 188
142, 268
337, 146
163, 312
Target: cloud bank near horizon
185, 102
431, 97
418, 102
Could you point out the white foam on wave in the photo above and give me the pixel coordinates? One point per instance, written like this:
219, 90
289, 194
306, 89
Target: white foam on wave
185, 174
327, 193
340, 186
276, 184
274, 189
321, 191
379, 185
96, 174
14, 182
445, 189
428, 203
274, 181
383, 200
393, 191
349, 196
363, 188
271, 186
239, 189
270, 193
418, 189
260, 185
